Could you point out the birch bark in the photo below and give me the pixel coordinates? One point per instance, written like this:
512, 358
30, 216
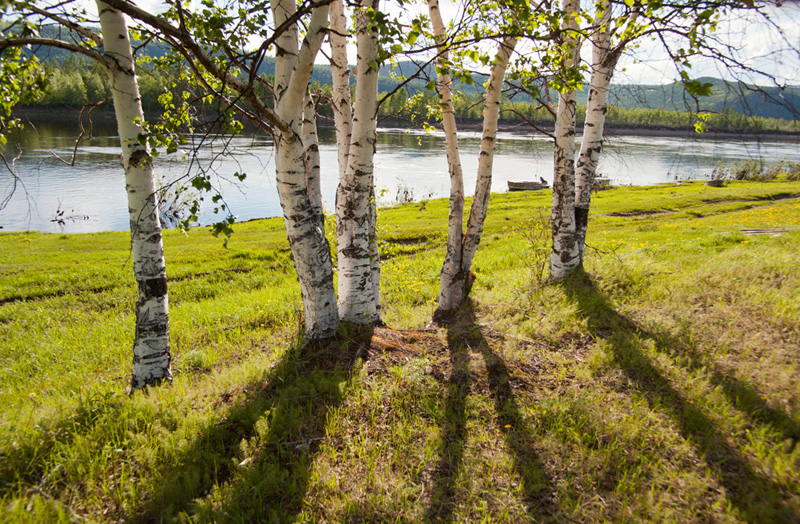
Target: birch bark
355, 215
604, 62
342, 110
151, 352
565, 255
452, 279
312, 161
310, 249
456, 277
483, 184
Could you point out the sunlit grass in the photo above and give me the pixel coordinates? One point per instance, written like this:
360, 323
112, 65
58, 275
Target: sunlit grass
660, 385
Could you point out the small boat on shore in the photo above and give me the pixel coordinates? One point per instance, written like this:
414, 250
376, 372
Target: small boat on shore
526, 186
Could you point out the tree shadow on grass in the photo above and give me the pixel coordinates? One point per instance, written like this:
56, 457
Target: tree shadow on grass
462, 335
454, 436
738, 392
757, 498
254, 464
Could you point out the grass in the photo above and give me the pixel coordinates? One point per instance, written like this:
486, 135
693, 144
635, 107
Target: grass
660, 384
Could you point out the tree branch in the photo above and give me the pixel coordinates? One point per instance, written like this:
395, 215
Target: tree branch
185, 39
88, 33
50, 42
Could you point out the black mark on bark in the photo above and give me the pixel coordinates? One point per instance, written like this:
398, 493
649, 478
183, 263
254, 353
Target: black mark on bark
154, 287
581, 217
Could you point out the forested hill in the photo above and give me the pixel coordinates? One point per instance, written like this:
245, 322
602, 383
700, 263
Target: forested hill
767, 102
726, 97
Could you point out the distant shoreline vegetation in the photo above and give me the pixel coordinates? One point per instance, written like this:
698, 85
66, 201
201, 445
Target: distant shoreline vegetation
75, 82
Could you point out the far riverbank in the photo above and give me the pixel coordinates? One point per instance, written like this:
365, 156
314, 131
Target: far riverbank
104, 117
612, 130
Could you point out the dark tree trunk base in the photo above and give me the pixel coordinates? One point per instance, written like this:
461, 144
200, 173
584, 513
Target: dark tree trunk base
143, 385
443, 317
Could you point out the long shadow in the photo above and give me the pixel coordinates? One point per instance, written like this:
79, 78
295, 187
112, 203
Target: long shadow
537, 488
254, 464
757, 498
451, 452
738, 392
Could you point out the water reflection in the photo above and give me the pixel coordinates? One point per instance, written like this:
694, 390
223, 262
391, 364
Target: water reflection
95, 186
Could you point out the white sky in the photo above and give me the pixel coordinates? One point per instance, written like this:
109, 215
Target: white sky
760, 46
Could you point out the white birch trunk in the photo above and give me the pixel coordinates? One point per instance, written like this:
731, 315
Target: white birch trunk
151, 354
452, 279
565, 255
307, 240
456, 277
340, 72
343, 121
483, 184
354, 215
311, 146
603, 64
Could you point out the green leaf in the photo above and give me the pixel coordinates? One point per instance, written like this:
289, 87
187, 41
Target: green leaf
697, 88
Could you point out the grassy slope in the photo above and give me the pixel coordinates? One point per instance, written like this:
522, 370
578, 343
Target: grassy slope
661, 385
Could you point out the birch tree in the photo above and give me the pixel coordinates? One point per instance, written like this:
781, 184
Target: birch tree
692, 24
462, 245
356, 131
604, 62
565, 255
212, 43
293, 67
151, 355
151, 349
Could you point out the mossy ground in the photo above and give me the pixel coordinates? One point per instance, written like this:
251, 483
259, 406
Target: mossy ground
660, 384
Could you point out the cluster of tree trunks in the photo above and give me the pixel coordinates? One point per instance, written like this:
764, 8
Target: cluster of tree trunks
456, 277
289, 115
292, 123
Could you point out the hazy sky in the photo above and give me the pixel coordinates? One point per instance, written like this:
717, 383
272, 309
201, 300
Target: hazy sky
760, 44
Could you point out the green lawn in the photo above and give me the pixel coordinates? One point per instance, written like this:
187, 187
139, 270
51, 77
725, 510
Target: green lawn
660, 385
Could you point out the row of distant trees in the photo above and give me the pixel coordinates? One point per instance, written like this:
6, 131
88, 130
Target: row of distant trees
77, 81
468, 108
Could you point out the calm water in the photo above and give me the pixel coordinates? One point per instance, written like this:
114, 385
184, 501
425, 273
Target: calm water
94, 186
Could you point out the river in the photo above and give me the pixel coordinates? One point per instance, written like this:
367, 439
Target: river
91, 193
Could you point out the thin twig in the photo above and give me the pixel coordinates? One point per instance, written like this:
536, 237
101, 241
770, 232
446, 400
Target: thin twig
82, 137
